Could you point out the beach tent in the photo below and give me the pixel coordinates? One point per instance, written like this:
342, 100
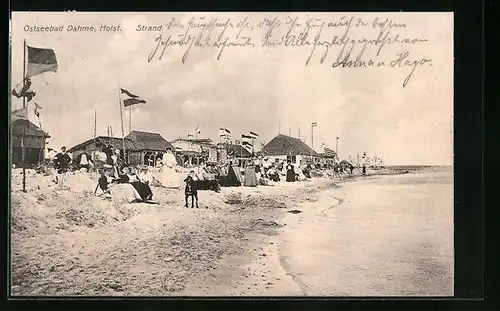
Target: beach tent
234, 176
250, 176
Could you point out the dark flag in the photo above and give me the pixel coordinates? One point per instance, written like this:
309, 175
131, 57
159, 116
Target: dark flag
40, 61
30, 95
36, 111
132, 99
21, 88
243, 136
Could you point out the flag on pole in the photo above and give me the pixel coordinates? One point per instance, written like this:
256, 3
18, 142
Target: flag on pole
197, 131
21, 88
132, 99
254, 135
30, 95
248, 146
37, 107
40, 61
20, 114
224, 132
329, 152
243, 136
314, 124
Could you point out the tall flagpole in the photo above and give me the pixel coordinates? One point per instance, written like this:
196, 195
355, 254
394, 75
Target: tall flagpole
130, 120
121, 118
95, 125
312, 135
23, 150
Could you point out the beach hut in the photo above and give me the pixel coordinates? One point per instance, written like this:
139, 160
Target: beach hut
148, 147
140, 147
286, 148
34, 143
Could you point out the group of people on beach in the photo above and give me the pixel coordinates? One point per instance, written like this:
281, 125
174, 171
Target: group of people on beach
274, 170
110, 163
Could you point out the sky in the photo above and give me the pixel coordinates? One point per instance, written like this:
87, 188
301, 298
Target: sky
264, 90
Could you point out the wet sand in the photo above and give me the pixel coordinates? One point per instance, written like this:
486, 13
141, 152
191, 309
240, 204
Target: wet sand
381, 236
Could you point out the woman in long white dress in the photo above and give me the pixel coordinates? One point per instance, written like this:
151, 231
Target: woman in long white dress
168, 176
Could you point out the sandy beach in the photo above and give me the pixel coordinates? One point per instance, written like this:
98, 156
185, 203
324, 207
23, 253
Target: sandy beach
378, 235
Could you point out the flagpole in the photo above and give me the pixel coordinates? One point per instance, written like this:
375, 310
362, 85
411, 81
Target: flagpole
95, 125
121, 118
23, 150
312, 135
42, 153
130, 120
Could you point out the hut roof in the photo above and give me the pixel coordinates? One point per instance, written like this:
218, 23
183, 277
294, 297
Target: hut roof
286, 145
115, 142
148, 141
239, 151
31, 129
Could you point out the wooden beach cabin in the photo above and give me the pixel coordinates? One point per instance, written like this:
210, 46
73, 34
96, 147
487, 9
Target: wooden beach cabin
140, 147
148, 147
286, 148
34, 142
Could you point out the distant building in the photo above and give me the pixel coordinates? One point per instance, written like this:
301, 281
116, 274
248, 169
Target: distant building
194, 151
148, 147
34, 143
140, 147
287, 148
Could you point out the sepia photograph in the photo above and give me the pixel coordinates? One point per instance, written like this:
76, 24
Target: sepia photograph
231, 154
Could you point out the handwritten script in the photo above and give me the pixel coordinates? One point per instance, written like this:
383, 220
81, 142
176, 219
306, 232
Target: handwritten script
345, 43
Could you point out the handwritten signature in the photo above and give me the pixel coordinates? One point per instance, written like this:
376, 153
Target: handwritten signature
310, 33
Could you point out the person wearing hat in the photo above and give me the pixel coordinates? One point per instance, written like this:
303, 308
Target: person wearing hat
108, 151
142, 188
61, 164
145, 175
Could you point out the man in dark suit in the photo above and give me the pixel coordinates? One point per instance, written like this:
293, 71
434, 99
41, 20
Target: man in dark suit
61, 164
